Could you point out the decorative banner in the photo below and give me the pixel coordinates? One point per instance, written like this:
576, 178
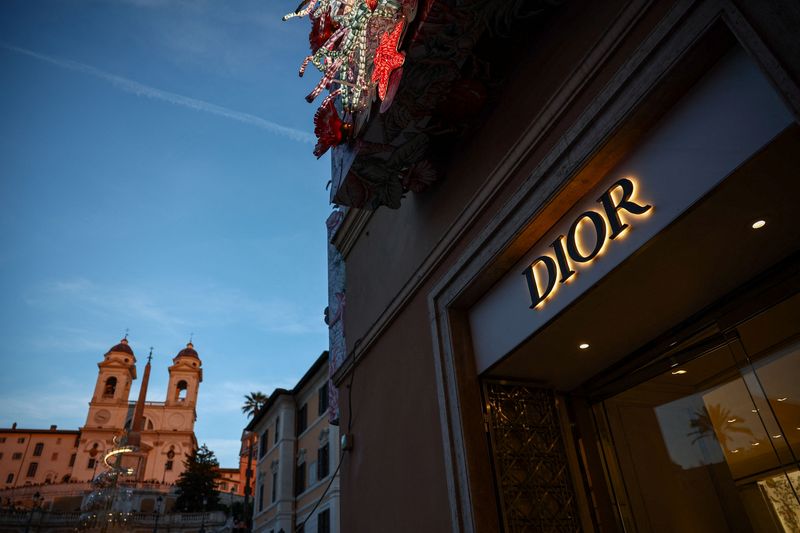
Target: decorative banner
334, 314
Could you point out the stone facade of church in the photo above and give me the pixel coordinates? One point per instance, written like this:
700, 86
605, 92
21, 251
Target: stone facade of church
36, 460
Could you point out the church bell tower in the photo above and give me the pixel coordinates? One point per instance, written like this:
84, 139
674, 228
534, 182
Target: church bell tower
109, 405
185, 376
108, 410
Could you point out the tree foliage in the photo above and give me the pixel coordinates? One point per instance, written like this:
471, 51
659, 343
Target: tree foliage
198, 481
253, 402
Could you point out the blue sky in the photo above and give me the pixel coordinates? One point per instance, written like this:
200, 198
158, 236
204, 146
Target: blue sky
156, 174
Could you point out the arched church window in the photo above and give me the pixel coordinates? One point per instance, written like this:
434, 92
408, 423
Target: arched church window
110, 388
181, 389
150, 424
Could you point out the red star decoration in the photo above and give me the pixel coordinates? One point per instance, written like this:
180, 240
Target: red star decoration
387, 58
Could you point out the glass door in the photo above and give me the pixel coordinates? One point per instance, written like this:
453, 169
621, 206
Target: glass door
711, 443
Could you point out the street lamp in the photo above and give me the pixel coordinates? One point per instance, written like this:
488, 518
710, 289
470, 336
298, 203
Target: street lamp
203, 519
37, 498
158, 511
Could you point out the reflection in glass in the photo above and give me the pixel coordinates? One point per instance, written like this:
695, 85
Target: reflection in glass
714, 448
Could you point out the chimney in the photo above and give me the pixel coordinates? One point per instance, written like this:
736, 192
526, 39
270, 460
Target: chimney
14, 425
53, 427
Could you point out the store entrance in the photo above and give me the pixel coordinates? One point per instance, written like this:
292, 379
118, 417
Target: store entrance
712, 442
675, 380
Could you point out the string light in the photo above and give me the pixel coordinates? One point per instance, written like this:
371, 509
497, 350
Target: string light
348, 57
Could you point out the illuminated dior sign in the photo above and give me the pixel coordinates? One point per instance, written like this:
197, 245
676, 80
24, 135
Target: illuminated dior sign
594, 227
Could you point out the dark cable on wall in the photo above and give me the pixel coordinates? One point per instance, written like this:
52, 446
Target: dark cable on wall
301, 527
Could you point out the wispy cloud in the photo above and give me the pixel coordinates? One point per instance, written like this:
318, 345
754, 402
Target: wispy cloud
140, 89
176, 310
229, 395
64, 402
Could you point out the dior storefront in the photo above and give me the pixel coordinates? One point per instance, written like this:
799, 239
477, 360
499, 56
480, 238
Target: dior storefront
636, 348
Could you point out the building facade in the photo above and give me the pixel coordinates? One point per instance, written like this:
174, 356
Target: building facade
589, 320
296, 483
35, 461
168, 433
37, 456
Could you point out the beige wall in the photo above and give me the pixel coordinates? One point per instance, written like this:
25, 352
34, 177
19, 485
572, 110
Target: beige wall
283, 457
227, 479
53, 462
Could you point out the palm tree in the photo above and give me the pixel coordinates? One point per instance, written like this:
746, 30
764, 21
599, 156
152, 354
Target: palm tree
719, 423
253, 402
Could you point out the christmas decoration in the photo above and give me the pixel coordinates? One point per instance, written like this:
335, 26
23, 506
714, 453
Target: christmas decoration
323, 28
354, 44
108, 506
387, 59
327, 127
456, 61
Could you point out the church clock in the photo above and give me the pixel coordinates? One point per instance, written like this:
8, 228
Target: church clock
102, 416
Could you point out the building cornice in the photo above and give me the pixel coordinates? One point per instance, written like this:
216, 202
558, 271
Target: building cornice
355, 220
19, 431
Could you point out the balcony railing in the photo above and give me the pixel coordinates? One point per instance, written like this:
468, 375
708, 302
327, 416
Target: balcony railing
44, 518
71, 488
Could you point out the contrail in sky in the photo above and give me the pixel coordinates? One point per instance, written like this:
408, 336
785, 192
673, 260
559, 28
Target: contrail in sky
140, 89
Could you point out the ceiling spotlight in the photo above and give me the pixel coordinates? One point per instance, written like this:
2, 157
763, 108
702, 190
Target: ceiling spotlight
735, 451
783, 399
776, 436
678, 372
756, 443
758, 224
731, 420
583, 346
753, 410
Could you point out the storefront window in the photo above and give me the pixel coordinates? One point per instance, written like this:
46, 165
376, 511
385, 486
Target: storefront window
710, 445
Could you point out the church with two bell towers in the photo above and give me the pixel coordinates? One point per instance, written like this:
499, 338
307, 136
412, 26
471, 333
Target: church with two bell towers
164, 430
167, 432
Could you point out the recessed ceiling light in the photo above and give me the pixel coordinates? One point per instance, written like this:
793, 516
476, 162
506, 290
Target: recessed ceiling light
679, 371
758, 224
783, 399
735, 451
583, 346
756, 443
753, 410
731, 420
776, 436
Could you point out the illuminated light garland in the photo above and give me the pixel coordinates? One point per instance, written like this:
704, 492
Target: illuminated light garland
107, 493
117, 451
354, 46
